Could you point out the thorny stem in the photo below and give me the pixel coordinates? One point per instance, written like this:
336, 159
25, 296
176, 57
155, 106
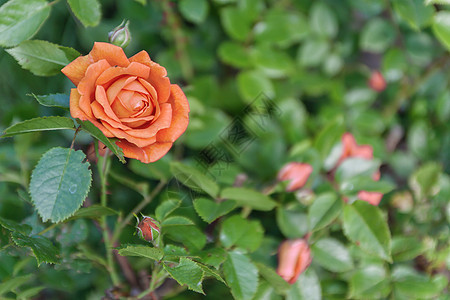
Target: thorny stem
103, 170
179, 39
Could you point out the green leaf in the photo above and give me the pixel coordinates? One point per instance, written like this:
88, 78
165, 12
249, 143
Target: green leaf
241, 275
414, 12
322, 20
14, 226
187, 272
177, 221
41, 57
39, 124
274, 63
234, 54
307, 287
377, 35
275, 280
332, 255
93, 212
355, 167
414, 285
292, 223
21, 20
208, 272
365, 225
252, 83
87, 11
443, 2
425, 180
74, 233
368, 283
237, 231
165, 208
53, 100
142, 251
209, 210
406, 248
235, 23
195, 11
30, 293
43, 249
159, 169
13, 283
313, 52
194, 179
190, 236
98, 134
324, 210
213, 257
353, 185
60, 183
248, 197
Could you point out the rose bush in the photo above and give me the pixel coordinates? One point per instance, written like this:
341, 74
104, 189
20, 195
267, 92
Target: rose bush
128, 99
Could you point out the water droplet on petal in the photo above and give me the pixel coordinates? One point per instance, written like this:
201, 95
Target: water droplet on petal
73, 188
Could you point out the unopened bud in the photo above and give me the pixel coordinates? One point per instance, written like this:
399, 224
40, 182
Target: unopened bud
120, 36
377, 81
147, 229
294, 256
296, 173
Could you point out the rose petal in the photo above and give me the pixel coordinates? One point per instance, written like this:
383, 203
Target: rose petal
122, 134
147, 154
180, 116
75, 110
76, 69
113, 54
102, 99
162, 122
134, 69
117, 86
100, 114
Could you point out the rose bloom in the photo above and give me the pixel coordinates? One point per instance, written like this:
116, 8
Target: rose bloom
130, 99
297, 173
294, 256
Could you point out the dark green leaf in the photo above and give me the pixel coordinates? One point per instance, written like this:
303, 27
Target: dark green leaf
43, 249
293, 224
60, 183
14, 226
241, 275
377, 35
209, 210
248, 197
21, 20
235, 23
53, 100
406, 248
189, 235
213, 257
93, 212
187, 272
324, 210
332, 255
194, 10
237, 231
13, 283
269, 274
39, 124
41, 57
441, 27
98, 134
194, 179
211, 273
87, 11
165, 208
365, 225
142, 251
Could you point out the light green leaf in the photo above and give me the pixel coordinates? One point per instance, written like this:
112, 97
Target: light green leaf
195, 11
313, 52
213, 256
406, 248
275, 280
322, 20
241, 275
355, 167
365, 225
332, 255
93, 212
377, 35
292, 223
165, 208
53, 100
159, 169
352, 185
30, 293
60, 183
21, 20
13, 283
252, 83
307, 287
177, 221
237, 231
324, 210
43, 249
425, 181
414, 12
87, 11
41, 57
187, 272
39, 124
209, 210
142, 251
98, 134
443, 2
208, 272
235, 23
414, 285
234, 54
194, 179
370, 282
248, 197
190, 236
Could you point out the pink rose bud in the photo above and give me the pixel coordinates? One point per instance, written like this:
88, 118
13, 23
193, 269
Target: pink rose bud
351, 149
377, 81
373, 198
294, 256
297, 173
147, 229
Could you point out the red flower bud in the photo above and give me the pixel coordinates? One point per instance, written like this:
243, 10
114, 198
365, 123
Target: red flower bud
373, 198
377, 81
147, 229
294, 256
297, 173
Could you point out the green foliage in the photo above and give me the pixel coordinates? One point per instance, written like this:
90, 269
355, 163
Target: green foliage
39, 124
143, 251
241, 275
209, 211
187, 272
53, 100
87, 11
60, 183
43, 249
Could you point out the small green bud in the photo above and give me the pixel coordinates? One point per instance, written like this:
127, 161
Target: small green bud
120, 36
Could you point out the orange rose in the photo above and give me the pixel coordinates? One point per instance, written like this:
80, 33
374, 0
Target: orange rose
130, 99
